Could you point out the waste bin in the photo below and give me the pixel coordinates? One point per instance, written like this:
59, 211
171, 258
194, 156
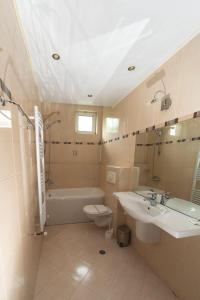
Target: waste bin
123, 236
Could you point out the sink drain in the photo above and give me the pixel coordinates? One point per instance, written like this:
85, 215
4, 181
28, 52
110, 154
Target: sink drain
102, 252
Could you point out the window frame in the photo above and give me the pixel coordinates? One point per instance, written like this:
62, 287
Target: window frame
84, 113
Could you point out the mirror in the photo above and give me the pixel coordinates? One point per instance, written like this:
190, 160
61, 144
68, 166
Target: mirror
167, 160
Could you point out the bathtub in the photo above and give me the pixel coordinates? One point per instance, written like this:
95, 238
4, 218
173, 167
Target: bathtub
66, 205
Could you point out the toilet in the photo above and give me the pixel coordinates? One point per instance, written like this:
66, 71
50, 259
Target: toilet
100, 214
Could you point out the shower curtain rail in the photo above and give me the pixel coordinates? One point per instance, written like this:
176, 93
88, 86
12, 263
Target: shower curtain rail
3, 103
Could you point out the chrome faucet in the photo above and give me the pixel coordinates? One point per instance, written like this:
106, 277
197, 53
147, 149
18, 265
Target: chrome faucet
152, 199
164, 198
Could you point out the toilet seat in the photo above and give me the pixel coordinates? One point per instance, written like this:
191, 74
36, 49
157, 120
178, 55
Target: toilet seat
96, 209
100, 214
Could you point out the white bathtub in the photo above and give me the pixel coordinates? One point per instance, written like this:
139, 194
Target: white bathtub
66, 205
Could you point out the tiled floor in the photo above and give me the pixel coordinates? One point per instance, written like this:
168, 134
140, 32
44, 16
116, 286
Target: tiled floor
72, 268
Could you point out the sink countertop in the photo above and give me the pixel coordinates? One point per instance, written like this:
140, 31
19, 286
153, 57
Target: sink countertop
173, 222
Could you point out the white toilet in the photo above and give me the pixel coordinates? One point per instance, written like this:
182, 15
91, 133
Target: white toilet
100, 214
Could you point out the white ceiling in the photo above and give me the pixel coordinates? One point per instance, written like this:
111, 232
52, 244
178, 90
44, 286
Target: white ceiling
98, 39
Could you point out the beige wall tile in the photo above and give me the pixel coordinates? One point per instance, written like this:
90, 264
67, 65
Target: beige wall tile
74, 175
71, 165
19, 251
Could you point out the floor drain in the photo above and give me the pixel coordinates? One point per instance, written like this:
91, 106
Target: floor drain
102, 252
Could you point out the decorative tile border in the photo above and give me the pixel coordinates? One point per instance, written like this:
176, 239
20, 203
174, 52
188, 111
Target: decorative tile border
135, 133
196, 114
181, 140
72, 143
148, 129
171, 142
196, 138
152, 128
171, 122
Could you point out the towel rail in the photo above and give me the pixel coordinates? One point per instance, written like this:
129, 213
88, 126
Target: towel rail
20, 108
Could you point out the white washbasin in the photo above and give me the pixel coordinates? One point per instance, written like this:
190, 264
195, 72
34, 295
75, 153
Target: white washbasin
139, 208
155, 210
171, 221
183, 206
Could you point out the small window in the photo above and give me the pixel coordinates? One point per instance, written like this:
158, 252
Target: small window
112, 125
172, 131
86, 122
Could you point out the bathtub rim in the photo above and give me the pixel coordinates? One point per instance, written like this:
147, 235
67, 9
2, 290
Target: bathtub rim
97, 193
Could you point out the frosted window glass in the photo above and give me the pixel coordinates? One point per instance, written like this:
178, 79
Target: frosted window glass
85, 123
112, 124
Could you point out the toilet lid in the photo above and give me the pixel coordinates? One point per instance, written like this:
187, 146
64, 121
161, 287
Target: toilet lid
101, 209
95, 209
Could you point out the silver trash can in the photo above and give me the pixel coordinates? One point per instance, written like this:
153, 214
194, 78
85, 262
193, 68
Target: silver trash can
123, 236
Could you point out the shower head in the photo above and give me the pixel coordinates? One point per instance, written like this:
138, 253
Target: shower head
166, 100
51, 124
161, 95
158, 97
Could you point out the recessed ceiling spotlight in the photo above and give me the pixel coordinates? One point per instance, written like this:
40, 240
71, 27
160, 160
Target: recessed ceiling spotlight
90, 95
131, 68
56, 56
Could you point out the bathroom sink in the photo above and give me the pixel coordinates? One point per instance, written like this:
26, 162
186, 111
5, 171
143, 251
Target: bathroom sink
165, 218
140, 209
155, 210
